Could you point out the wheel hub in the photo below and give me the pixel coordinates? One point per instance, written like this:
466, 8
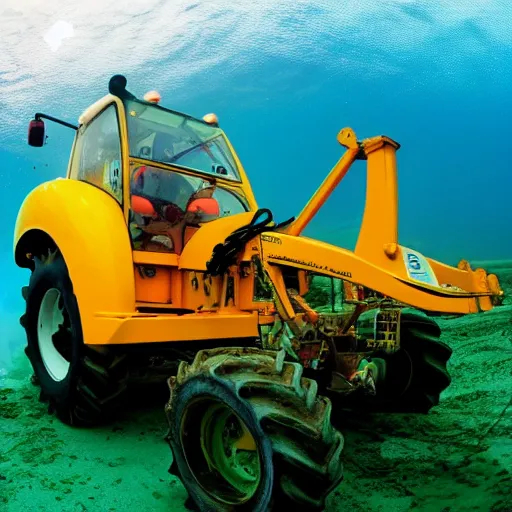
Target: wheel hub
53, 335
225, 460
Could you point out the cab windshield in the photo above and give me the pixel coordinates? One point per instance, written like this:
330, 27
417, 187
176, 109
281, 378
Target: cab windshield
160, 135
166, 205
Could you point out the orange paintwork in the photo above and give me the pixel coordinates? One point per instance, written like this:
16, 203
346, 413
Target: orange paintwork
308, 254
155, 258
112, 285
116, 328
347, 138
97, 252
378, 236
156, 288
199, 249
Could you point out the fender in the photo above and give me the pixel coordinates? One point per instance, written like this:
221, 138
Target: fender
89, 228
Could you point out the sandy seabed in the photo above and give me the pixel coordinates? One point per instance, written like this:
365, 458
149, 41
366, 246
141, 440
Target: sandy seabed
457, 458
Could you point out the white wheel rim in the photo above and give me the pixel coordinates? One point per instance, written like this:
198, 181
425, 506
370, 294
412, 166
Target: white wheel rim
49, 318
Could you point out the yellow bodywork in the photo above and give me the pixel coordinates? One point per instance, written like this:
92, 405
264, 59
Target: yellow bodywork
98, 254
118, 304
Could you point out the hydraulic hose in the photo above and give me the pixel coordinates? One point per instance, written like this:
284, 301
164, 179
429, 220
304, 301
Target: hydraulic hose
224, 255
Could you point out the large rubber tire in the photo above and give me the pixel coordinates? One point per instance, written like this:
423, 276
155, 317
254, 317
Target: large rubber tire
417, 374
83, 386
299, 449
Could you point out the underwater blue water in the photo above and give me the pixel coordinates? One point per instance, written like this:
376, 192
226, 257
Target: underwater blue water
283, 77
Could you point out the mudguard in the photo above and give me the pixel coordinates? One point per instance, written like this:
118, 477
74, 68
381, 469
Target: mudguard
89, 228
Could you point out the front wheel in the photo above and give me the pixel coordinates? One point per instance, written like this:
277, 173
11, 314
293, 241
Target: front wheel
81, 384
249, 433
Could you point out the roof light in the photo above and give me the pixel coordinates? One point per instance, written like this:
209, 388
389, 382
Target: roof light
152, 97
211, 119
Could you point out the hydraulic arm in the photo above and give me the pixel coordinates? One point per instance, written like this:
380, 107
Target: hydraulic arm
379, 261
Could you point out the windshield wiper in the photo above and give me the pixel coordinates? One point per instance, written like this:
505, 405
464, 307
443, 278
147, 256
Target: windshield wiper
189, 150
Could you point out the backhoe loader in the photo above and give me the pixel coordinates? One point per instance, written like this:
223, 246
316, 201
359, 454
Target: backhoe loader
152, 261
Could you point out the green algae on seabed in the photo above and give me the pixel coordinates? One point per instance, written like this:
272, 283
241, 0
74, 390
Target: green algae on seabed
9, 409
458, 458
48, 466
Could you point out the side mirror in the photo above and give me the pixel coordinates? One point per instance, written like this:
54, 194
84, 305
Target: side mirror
36, 133
143, 206
205, 208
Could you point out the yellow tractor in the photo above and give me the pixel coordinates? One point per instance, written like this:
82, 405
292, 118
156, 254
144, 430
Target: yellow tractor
152, 260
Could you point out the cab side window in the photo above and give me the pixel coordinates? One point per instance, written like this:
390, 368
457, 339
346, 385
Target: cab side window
98, 154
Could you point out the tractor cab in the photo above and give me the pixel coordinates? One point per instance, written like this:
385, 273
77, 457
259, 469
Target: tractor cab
169, 171
182, 174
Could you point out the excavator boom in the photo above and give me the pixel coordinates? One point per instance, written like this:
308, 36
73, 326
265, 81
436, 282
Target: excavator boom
321, 258
379, 262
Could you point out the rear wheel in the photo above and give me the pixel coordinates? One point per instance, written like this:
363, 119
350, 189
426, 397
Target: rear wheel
417, 373
80, 384
248, 433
